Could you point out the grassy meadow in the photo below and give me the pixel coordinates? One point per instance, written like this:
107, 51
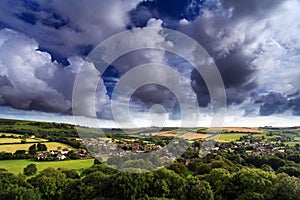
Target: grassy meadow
17, 166
228, 137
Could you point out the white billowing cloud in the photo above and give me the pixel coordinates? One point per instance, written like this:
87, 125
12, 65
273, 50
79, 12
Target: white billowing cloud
148, 94
30, 80
19, 64
278, 55
137, 39
89, 97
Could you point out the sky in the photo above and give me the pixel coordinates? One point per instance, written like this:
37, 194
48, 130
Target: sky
254, 44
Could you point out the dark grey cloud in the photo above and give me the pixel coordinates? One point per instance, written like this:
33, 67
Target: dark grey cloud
5, 82
277, 103
151, 94
237, 76
274, 103
295, 104
66, 28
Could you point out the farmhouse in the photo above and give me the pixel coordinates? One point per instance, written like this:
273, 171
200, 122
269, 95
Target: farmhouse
61, 157
64, 151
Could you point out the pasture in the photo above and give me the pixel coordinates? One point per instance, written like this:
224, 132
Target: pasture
291, 144
17, 166
237, 129
228, 137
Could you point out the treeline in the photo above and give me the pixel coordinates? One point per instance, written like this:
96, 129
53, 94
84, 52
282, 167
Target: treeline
102, 182
41, 133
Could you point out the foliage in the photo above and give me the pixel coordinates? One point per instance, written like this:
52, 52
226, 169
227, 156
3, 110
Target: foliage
30, 170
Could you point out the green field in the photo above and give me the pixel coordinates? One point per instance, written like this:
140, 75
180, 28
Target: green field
227, 137
17, 166
50, 146
292, 143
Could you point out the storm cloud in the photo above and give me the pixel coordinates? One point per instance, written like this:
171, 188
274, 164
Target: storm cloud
67, 28
254, 43
277, 103
240, 36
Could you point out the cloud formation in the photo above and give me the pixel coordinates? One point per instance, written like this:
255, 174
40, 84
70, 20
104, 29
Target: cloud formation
67, 28
251, 45
29, 80
254, 43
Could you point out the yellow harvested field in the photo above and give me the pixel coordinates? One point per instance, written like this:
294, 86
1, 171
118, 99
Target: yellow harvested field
165, 134
11, 134
55, 145
194, 136
9, 140
18, 140
11, 148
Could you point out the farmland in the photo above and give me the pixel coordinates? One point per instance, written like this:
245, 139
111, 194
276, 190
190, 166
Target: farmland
194, 136
231, 129
17, 166
227, 137
19, 140
11, 148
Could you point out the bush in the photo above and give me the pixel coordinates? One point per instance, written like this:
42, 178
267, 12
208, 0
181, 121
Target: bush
30, 170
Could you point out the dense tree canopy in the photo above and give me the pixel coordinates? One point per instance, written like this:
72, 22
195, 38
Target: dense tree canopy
102, 182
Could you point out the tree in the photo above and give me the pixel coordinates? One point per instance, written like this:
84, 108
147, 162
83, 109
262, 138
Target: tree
20, 154
71, 173
267, 168
41, 147
50, 182
219, 180
20, 193
169, 184
179, 168
73, 155
201, 190
30, 169
288, 188
32, 149
96, 184
98, 161
202, 168
252, 182
291, 170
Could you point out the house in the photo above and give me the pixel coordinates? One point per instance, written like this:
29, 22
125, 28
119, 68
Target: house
53, 152
64, 151
82, 151
41, 155
61, 157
